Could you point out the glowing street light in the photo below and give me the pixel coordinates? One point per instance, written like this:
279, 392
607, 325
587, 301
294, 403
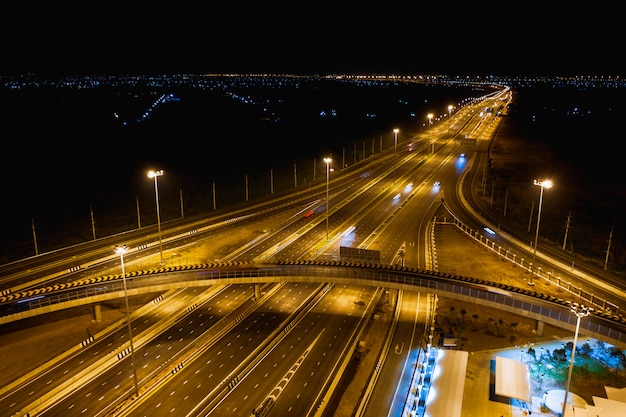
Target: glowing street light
395, 140
543, 184
450, 107
579, 311
327, 161
395, 152
121, 250
155, 175
430, 118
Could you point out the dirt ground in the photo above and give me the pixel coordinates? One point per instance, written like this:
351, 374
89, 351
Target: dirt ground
482, 331
574, 201
32, 342
490, 331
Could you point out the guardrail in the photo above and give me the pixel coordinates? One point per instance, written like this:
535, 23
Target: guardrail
583, 296
601, 324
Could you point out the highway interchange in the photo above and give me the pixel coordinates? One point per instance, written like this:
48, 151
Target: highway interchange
225, 349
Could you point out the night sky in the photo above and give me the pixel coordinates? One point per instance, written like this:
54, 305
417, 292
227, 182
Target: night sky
105, 38
309, 38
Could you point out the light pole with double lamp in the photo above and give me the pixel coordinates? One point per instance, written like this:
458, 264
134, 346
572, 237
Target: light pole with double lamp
155, 175
579, 311
327, 160
543, 184
121, 250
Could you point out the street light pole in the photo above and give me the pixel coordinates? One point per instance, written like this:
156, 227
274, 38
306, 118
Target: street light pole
395, 152
395, 140
450, 107
155, 175
430, 118
328, 161
580, 311
543, 184
121, 250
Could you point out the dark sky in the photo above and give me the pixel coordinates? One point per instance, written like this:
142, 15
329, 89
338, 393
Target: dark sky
311, 37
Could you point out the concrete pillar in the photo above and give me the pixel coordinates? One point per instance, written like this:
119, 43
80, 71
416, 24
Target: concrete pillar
97, 313
540, 326
257, 291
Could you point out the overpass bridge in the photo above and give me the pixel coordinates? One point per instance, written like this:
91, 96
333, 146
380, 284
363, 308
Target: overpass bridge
602, 324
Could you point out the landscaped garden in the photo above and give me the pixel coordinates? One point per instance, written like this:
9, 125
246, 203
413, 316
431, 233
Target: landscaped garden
596, 364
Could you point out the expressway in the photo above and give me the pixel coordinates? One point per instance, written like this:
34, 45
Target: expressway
384, 205
89, 259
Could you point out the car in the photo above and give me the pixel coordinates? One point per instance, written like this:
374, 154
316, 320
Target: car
437, 184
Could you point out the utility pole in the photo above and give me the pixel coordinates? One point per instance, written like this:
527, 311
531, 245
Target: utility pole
214, 203
138, 214
530, 220
567, 226
182, 208
93, 224
484, 180
608, 249
34, 236
506, 199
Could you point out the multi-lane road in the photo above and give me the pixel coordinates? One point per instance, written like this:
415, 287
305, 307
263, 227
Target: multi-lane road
232, 349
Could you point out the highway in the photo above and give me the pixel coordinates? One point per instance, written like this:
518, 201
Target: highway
384, 205
206, 338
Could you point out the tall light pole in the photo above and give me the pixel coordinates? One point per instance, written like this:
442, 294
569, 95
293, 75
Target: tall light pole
395, 140
430, 118
395, 152
328, 160
155, 175
121, 250
579, 311
450, 107
543, 184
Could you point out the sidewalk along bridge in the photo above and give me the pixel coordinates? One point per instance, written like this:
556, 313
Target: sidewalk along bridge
601, 324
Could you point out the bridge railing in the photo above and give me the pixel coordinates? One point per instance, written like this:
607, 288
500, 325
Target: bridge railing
602, 324
583, 296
